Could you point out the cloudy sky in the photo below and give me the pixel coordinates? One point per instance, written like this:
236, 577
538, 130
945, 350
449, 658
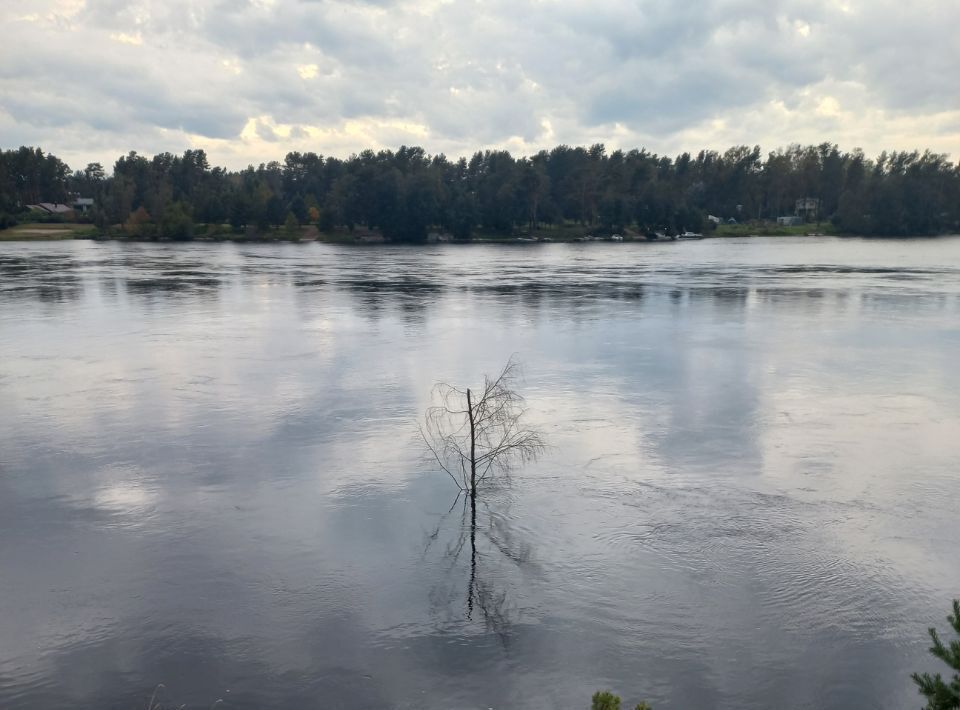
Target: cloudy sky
249, 80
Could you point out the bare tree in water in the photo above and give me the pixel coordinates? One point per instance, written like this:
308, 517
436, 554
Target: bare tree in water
474, 434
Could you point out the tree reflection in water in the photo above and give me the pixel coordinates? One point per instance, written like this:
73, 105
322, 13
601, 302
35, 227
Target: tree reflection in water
484, 537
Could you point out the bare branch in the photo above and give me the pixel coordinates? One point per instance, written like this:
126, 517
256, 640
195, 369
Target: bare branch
438, 458
480, 432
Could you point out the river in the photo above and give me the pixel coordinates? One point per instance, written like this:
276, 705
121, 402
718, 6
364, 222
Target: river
211, 476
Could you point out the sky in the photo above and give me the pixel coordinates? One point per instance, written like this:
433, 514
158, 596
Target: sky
250, 80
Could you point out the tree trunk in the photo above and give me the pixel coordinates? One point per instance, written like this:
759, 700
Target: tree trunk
473, 449
471, 587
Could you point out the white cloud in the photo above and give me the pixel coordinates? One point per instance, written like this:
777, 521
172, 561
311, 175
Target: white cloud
308, 71
91, 80
126, 38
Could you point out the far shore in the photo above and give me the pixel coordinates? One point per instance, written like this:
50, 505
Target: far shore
39, 231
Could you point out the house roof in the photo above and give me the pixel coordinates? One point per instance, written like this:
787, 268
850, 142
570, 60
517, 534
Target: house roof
51, 207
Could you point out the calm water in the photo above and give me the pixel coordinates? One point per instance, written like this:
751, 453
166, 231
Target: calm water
210, 475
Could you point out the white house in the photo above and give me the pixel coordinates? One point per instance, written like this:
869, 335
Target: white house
807, 207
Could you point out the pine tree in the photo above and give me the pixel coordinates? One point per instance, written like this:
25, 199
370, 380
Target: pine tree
942, 695
605, 700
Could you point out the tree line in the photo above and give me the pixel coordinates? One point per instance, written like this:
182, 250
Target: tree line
407, 193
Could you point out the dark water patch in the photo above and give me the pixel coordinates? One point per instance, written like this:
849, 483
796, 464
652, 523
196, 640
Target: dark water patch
594, 290
201, 274
168, 285
870, 270
387, 286
720, 293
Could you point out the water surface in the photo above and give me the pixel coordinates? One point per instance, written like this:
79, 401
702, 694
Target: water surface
210, 475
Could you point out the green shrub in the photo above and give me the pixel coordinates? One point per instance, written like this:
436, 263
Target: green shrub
327, 221
605, 700
175, 223
291, 225
7, 220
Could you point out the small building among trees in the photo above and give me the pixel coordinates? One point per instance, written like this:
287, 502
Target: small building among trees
53, 208
807, 208
789, 220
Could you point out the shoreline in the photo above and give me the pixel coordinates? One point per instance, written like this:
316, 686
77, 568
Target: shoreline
41, 232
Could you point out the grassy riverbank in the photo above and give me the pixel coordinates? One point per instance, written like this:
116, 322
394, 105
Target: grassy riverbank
39, 231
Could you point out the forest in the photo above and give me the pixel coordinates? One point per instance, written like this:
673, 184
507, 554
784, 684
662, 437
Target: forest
406, 194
